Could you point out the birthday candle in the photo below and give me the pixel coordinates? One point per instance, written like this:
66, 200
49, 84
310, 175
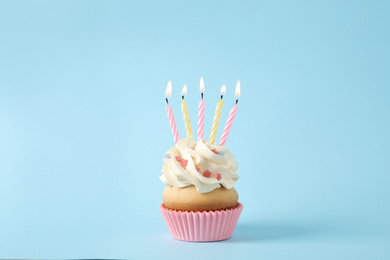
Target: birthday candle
231, 117
201, 111
217, 116
186, 117
171, 117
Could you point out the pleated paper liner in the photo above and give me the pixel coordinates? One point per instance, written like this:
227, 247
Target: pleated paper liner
205, 226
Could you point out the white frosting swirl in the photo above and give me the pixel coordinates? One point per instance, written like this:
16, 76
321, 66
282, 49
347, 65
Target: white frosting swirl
204, 168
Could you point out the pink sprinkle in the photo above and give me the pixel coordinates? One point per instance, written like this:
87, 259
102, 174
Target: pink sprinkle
197, 168
178, 158
214, 151
207, 174
183, 162
218, 176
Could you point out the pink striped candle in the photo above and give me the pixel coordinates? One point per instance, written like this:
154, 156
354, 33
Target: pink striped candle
228, 125
172, 123
201, 111
231, 117
171, 117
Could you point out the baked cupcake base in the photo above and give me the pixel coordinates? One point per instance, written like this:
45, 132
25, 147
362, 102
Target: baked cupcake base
188, 199
201, 226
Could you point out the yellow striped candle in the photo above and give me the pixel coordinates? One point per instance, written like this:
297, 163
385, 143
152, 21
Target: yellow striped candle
217, 117
186, 117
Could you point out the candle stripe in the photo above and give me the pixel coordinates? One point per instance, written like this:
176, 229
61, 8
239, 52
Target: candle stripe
201, 120
187, 122
216, 119
228, 125
172, 123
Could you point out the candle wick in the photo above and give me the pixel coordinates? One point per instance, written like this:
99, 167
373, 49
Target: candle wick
236, 101
221, 97
201, 94
167, 101
182, 97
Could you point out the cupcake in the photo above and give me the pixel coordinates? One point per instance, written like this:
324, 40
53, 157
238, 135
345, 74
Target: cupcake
200, 203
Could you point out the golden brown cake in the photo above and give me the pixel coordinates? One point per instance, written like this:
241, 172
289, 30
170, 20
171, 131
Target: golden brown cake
189, 199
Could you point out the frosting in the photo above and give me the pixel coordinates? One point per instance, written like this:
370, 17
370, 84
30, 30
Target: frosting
204, 165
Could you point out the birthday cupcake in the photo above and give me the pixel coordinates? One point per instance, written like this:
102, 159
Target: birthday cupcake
200, 203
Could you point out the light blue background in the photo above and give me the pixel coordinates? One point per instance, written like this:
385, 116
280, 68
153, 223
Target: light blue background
83, 126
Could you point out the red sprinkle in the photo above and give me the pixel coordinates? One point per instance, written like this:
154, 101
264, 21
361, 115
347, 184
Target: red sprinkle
218, 176
183, 162
214, 151
207, 174
197, 168
178, 158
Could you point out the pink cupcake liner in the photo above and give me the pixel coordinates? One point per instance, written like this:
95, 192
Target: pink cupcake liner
205, 226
